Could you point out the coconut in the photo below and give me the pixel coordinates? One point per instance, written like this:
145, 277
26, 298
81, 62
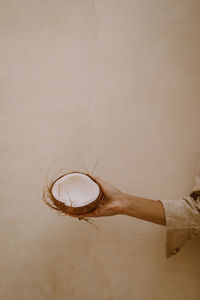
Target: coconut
74, 192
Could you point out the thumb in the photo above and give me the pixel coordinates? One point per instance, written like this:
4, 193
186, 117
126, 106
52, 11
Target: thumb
98, 179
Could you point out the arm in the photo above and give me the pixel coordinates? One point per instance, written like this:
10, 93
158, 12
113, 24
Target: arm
181, 217
117, 202
143, 208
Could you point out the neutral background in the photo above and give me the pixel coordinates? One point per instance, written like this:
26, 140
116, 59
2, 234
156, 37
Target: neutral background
107, 81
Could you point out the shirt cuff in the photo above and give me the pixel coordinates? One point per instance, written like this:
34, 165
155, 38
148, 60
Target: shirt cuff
178, 225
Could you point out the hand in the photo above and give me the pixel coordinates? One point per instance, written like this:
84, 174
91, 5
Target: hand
111, 203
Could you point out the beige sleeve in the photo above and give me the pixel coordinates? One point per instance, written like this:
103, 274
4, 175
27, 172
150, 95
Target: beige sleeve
182, 219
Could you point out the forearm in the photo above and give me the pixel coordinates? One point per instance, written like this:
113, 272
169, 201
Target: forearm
143, 208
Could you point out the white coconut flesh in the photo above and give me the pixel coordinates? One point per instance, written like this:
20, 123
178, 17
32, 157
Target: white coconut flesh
76, 190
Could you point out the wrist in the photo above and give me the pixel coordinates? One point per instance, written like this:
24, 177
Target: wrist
127, 204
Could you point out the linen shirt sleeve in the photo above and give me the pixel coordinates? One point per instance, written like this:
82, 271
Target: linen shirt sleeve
182, 218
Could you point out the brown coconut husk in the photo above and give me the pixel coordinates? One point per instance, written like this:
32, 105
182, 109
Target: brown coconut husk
63, 209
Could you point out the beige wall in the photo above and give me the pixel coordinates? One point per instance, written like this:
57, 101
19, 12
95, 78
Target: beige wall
110, 81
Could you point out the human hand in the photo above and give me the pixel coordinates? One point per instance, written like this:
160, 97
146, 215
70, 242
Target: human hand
111, 204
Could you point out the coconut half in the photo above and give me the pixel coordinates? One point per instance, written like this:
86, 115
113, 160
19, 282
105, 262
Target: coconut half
76, 193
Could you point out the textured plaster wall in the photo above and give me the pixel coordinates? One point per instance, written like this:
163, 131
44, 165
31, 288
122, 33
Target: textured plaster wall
110, 81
